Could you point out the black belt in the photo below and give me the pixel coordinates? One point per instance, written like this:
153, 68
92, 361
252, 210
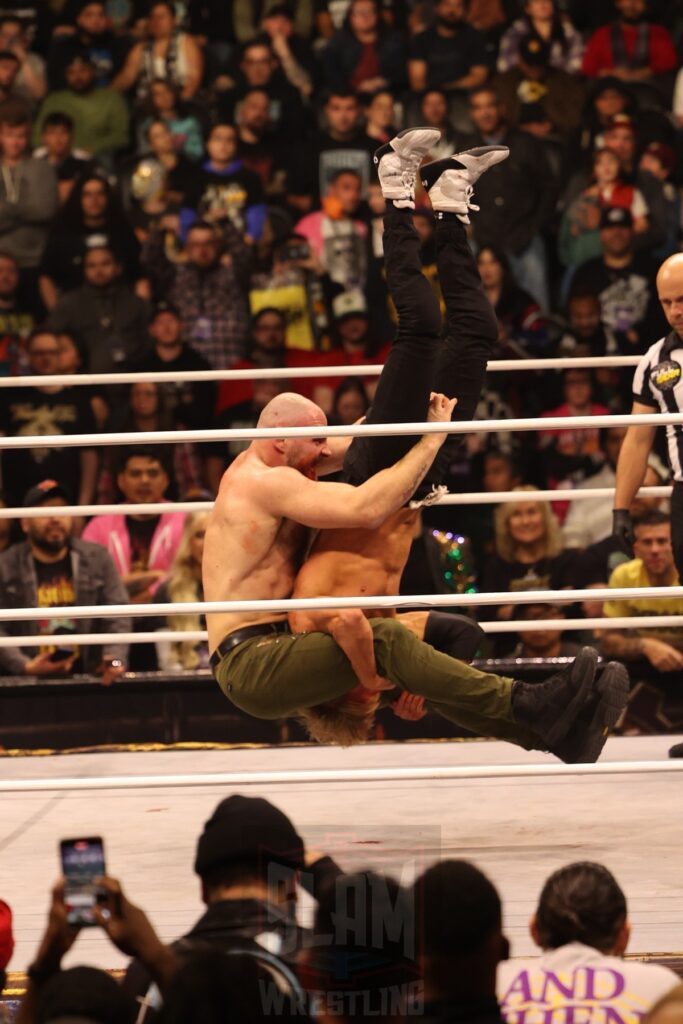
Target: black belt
246, 633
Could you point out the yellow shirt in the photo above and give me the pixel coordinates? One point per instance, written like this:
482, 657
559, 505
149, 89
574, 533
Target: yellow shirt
633, 574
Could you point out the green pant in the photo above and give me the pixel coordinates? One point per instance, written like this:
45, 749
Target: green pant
276, 676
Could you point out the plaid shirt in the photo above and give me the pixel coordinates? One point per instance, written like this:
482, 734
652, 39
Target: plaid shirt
568, 59
213, 304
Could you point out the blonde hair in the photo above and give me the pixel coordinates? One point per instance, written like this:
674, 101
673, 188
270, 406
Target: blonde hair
347, 722
506, 547
182, 586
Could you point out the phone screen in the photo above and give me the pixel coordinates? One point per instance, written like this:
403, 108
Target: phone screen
82, 863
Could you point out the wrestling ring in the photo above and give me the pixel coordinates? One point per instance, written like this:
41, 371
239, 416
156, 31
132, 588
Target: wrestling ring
397, 807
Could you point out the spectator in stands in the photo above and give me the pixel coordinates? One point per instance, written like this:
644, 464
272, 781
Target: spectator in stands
148, 408
158, 185
657, 164
47, 410
224, 190
189, 402
543, 21
105, 313
528, 551
9, 70
166, 52
248, 858
450, 55
30, 83
259, 145
91, 37
284, 25
293, 287
208, 288
336, 235
581, 925
517, 197
259, 68
434, 114
460, 942
365, 54
68, 163
653, 566
19, 313
522, 326
184, 583
52, 568
99, 113
631, 47
366, 963
92, 214
143, 546
28, 192
607, 98
543, 643
380, 116
72, 359
539, 98
590, 521
350, 402
165, 105
624, 283
573, 453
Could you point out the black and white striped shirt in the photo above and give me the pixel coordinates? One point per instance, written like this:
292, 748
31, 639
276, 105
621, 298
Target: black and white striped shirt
658, 382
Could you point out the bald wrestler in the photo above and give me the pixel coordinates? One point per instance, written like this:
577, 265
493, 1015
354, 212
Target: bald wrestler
657, 384
253, 549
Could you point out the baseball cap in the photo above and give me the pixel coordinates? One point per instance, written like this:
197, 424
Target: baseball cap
6, 936
664, 154
621, 121
534, 51
41, 492
616, 217
163, 306
350, 303
244, 828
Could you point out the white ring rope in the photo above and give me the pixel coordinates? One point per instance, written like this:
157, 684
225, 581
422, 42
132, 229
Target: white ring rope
138, 438
198, 635
473, 498
115, 611
293, 372
230, 780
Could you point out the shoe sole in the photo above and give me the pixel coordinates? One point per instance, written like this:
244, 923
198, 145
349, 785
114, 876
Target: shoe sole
388, 148
582, 675
613, 691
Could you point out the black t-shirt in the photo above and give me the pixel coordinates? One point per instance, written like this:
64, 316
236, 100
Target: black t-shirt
514, 577
66, 248
141, 532
628, 298
597, 563
107, 53
28, 411
309, 167
16, 323
57, 588
191, 403
229, 194
448, 58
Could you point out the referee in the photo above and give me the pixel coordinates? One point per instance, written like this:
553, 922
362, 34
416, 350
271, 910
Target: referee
657, 384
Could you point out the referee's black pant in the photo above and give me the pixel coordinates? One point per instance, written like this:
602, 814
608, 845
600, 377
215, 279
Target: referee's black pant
425, 356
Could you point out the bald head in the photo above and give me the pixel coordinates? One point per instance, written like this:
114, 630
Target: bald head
670, 291
291, 410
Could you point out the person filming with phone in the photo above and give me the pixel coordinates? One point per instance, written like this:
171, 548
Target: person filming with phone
53, 569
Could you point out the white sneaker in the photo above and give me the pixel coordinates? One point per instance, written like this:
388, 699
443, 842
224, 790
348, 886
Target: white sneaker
398, 162
449, 183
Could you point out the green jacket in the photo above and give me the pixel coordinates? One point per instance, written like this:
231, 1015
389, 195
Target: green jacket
100, 118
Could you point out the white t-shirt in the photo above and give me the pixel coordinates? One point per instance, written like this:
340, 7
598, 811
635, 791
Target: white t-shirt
577, 984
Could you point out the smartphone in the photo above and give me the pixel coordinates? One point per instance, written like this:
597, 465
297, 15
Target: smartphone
61, 654
82, 862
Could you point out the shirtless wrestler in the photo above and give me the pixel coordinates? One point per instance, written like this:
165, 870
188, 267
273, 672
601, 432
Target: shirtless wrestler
358, 562
254, 542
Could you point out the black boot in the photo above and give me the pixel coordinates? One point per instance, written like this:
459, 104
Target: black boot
584, 742
551, 708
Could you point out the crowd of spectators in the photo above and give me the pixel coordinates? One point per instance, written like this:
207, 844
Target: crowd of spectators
433, 948
190, 186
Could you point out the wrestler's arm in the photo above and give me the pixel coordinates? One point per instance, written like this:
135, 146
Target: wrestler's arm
338, 446
350, 629
287, 493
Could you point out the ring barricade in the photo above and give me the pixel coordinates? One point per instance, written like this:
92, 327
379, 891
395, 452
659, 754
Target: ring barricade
294, 372
473, 498
197, 635
136, 438
418, 773
276, 607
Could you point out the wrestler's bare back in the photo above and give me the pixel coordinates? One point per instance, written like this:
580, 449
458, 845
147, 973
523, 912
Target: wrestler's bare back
249, 554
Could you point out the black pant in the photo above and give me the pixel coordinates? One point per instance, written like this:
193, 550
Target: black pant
677, 526
424, 358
